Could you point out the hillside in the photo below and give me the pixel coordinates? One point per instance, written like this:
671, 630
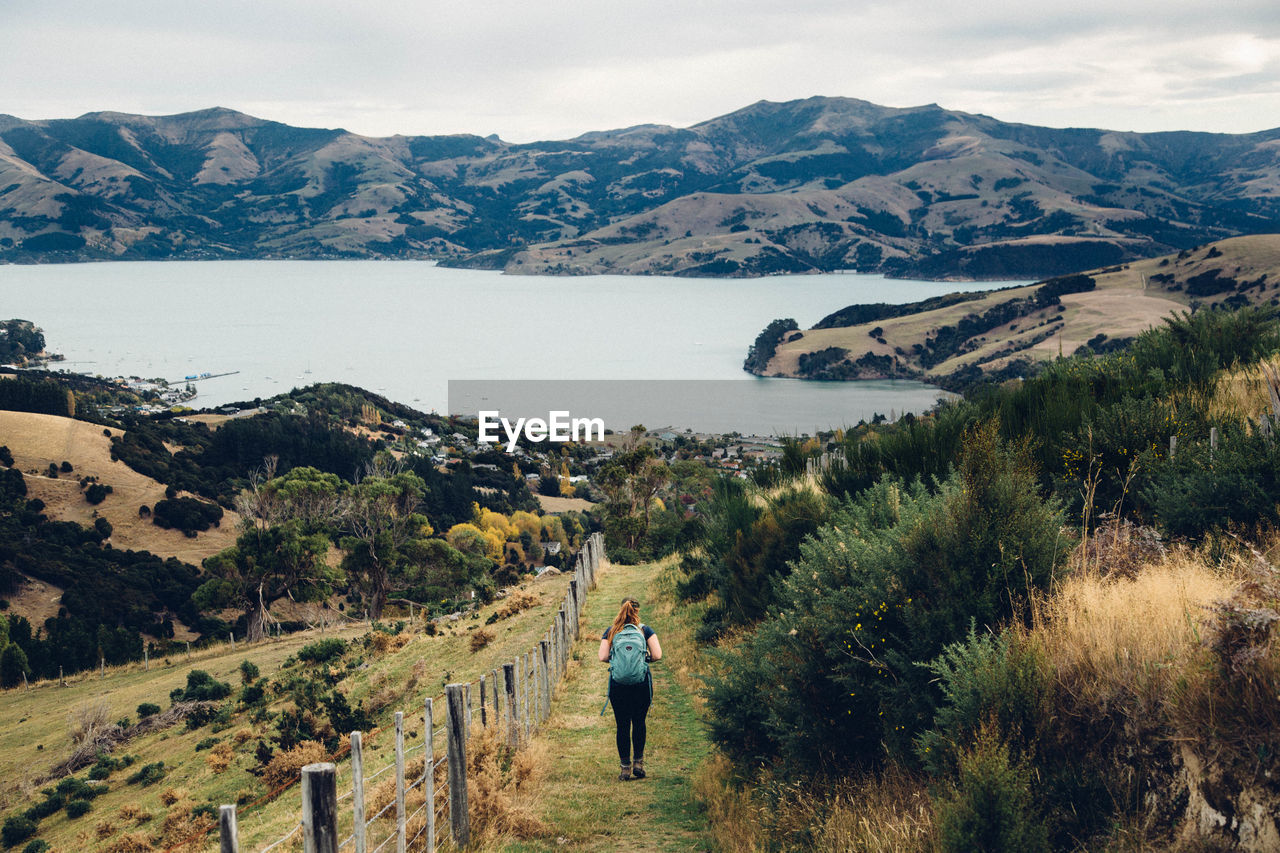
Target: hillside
987, 333
381, 673
38, 440
818, 184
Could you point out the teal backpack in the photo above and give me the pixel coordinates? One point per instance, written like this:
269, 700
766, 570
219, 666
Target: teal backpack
627, 664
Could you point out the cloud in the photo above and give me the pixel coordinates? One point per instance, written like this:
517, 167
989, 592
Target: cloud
557, 68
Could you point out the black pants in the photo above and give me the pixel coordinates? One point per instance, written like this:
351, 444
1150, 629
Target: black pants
630, 706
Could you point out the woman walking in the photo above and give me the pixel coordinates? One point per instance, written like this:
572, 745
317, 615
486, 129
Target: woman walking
628, 645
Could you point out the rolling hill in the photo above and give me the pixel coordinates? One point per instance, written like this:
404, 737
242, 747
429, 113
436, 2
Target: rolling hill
817, 184
953, 340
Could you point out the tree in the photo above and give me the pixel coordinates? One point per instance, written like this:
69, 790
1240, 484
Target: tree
304, 494
13, 666
631, 482
265, 565
380, 517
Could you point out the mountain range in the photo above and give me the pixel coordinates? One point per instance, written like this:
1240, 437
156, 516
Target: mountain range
812, 185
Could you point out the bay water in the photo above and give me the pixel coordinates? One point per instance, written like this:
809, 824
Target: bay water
404, 329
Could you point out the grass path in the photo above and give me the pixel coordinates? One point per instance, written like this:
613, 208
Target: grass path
581, 801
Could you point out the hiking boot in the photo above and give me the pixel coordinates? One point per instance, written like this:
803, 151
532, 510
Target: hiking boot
637, 768
625, 774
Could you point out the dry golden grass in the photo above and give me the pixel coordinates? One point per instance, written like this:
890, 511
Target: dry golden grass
886, 813
219, 758
556, 505
169, 796
1113, 636
134, 813
501, 786
285, 766
480, 638
133, 842
516, 601
383, 642
1243, 392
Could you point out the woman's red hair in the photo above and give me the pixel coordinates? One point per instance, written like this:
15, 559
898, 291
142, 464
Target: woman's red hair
628, 614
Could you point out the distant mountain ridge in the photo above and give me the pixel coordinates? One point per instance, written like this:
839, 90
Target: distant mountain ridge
816, 184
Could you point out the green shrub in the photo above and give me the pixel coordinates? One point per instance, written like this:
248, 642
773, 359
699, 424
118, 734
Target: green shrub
1201, 489
249, 672
322, 651
203, 716
146, 709
105, 765
148, 774
208, 810
17, 828
751, 549
77, 808
186, 514
201, 687
73, 788
990, 808
998, 680
891, 580
37, 846
206, 743
52, 802
253, 694
13, 665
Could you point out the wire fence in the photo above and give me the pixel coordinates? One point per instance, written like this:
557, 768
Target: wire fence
515, 698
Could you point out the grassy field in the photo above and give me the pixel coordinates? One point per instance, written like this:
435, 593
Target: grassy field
580, 801
35, 727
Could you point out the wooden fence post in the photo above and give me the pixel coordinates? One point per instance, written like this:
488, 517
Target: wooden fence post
61, 683
400, 815
146, 658
1213, 442
357, 791
466, 719
429, 781
573, 614
102, 668
517, 699
188, 650
526, 685
459, 818
496, 688
562, 628
484, 703
1173, 446
509, 682
320, 808
546, 678
535, 699
228, 836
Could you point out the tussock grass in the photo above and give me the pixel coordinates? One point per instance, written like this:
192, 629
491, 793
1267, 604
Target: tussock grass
1242, 393
890, 812
1112, 637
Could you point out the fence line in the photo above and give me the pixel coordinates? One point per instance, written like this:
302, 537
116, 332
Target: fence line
521, 702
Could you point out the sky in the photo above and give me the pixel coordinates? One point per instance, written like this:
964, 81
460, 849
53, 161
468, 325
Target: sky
552, 69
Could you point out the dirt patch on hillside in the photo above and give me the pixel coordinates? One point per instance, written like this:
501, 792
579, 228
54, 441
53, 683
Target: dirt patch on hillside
36, 601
